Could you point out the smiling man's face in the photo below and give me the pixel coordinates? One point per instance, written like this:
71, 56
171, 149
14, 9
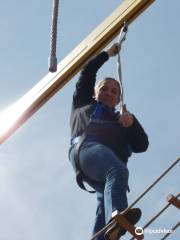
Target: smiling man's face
108, 92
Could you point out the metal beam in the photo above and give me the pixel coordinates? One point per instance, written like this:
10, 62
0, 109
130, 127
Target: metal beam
13, 117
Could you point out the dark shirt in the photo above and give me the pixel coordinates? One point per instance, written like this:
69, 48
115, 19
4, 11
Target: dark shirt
108, 131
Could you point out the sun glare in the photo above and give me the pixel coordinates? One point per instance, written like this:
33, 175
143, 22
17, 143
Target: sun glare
10, 116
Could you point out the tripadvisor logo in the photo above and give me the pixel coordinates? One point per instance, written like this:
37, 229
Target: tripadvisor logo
139, 230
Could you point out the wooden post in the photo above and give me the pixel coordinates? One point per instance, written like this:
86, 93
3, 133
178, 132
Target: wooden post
121, 220
173, 200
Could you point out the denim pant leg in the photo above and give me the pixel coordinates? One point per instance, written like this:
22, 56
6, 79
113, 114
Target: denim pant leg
100, 165
100, 214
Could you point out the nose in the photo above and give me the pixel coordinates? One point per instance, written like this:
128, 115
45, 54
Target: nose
109, 94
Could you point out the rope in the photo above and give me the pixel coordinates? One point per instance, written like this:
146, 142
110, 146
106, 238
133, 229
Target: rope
172, 230
157, 215
52, 61
121, 39
153, 184
103, 229
147, 190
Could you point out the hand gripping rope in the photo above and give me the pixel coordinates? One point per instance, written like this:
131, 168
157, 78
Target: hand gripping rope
52, 61
121, 39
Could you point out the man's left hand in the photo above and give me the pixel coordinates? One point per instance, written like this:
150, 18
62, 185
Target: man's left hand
126, 118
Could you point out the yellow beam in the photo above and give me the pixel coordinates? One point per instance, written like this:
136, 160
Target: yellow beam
13, 117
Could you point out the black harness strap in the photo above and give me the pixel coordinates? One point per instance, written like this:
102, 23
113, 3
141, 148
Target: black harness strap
79, 174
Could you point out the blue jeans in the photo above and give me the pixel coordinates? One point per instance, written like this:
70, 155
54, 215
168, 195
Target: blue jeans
108, 175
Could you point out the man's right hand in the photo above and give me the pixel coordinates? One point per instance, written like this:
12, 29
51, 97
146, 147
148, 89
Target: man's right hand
114, 49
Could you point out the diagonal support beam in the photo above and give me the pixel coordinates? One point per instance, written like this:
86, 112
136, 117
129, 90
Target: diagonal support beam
13, 117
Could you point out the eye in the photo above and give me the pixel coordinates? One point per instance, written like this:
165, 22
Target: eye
104, 88
114, 91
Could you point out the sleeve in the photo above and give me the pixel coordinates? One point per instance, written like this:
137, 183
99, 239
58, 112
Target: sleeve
85, 86
137, 138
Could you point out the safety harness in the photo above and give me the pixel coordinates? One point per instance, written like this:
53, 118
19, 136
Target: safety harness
78, 141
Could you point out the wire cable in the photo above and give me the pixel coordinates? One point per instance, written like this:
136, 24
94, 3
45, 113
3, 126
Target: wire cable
157, 215
172, 230
121, 39
154, 183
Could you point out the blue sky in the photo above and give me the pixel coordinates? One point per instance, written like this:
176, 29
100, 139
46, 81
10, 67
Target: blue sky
39, 198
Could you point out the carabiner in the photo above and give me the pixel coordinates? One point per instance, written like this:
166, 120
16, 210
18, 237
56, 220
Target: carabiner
123, 32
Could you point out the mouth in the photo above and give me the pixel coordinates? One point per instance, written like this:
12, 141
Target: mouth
106, 99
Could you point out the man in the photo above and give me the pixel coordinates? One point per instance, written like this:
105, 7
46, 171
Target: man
107, 141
